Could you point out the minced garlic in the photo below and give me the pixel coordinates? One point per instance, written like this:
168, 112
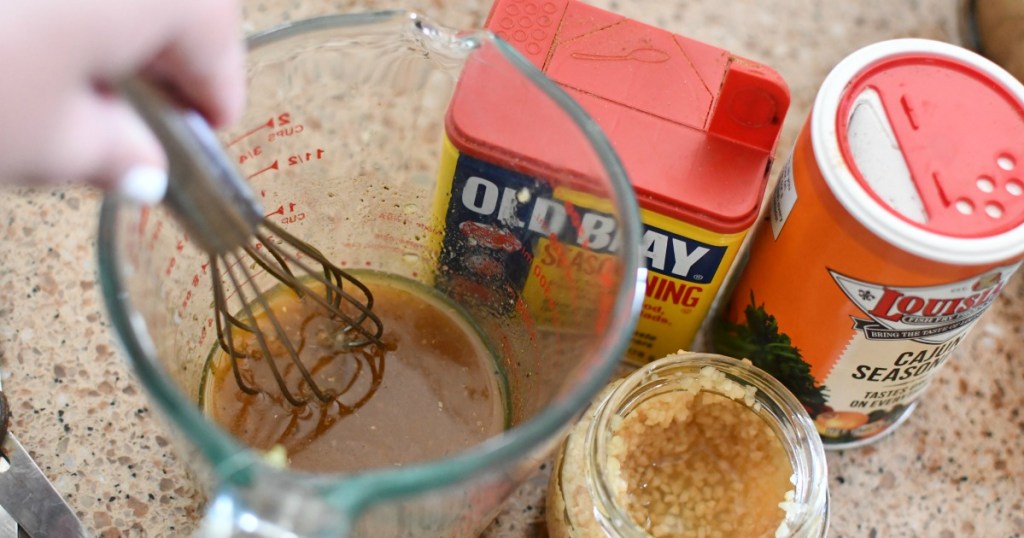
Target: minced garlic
680, 449
698, 461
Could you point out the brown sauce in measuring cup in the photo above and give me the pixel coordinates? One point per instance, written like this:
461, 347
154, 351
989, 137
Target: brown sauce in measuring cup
438, 387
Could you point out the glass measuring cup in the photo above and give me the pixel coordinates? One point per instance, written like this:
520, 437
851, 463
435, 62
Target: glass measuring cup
343, 142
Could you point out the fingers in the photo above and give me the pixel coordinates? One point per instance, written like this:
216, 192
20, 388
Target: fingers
101, 140
70, 127
194, 47
203, 63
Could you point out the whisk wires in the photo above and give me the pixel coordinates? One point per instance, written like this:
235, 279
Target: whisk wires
213, 201
357, 325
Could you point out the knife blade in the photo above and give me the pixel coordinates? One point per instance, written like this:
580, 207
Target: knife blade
28, 496
8, 527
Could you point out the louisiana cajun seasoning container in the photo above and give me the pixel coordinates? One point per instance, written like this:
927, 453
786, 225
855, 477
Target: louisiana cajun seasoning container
894, 226
694, 126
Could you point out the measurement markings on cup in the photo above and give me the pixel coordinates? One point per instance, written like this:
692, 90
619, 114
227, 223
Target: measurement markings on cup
274, 121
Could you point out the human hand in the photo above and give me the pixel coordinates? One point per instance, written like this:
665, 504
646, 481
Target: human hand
61, 121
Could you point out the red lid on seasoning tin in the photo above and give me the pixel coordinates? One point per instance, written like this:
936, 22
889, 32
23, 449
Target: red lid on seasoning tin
694, 126
937, 139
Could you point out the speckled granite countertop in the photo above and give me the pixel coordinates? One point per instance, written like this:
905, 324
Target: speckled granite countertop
956, 468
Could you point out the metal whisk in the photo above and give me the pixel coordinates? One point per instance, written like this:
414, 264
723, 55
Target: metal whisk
213, 202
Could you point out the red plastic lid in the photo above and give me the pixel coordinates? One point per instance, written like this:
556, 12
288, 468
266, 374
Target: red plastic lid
694, 126
959, 137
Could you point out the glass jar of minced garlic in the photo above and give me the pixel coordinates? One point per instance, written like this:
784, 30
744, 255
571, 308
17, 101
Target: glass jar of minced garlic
691, 445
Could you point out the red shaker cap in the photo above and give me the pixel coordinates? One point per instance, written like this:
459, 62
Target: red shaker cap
694, 126
958, 143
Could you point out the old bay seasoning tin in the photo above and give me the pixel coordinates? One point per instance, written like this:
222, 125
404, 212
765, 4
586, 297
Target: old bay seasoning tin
694, 126
895, 224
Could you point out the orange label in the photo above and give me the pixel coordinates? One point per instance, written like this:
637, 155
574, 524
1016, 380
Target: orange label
852, 325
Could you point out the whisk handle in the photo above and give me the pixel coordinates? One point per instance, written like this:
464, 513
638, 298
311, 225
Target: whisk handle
205, 190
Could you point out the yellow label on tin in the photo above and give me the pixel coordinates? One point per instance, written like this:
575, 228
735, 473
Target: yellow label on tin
686, 265
443, 194
497, 246
562, 279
